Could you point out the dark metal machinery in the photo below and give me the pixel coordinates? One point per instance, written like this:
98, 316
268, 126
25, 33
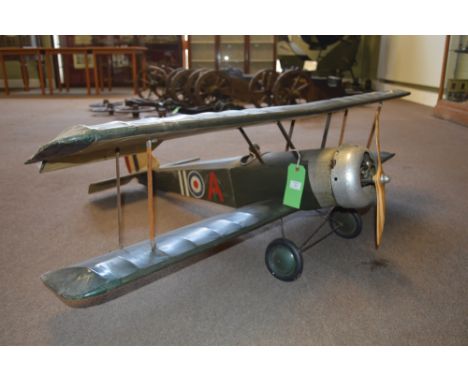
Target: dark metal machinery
164, 89
202, 87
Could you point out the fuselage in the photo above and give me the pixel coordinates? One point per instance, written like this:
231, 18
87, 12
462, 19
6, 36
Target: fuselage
333, 177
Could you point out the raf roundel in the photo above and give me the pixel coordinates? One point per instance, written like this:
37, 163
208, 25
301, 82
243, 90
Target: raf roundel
196, 184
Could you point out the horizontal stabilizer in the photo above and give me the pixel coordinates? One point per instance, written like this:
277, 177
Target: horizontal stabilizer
180, 162
112, 183
91, 282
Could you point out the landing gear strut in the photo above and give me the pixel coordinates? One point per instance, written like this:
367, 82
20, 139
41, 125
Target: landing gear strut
284, 259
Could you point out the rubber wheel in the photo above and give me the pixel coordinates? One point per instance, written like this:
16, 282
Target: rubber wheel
284, 260
346, 223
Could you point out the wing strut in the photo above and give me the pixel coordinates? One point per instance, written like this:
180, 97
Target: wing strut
251, 145
325, 131
343, 127
149, 174
285, 135
119, 197
290, 134
371, 135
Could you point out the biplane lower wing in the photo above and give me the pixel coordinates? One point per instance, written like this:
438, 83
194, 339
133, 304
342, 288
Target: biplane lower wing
92, 281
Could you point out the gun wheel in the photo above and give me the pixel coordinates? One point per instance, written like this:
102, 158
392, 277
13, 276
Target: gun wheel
189, 89
176, 86
261, 87
153, 85
211, 86
291, 87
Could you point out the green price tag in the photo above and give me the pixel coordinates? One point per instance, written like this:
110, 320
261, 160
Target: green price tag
294, 186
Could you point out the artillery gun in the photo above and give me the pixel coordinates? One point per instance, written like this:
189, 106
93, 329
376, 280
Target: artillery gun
204, 88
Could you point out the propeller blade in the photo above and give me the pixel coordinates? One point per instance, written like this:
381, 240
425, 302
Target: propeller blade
379, 186
380, 212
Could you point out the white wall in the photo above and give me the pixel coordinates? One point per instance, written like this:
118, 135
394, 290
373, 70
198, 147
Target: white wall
413, 63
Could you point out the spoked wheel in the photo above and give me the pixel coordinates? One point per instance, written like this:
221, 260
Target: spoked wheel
284, 260
172, 73
211, 87
190, 85
346, 223
291, 87
153, 86
176, 86
261, 87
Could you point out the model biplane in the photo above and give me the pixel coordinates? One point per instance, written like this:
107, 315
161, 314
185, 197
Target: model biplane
261, 187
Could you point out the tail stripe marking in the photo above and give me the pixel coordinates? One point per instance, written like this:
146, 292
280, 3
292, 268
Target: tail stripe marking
181, 185
135, 162
186, 184
127, 163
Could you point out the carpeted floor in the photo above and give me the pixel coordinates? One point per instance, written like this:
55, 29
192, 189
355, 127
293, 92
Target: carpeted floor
228, 297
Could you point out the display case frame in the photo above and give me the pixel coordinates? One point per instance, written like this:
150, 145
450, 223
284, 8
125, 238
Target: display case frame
450, 105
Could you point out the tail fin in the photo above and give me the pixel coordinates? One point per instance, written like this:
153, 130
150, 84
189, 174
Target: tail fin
138, 162
136, 166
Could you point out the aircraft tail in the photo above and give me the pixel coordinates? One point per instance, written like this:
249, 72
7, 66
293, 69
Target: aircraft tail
139, 162
136, 164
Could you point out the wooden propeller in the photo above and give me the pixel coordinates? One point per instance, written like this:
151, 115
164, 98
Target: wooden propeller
379, 182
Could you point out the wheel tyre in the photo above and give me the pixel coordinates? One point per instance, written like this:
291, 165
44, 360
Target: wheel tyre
350, 220
284, 260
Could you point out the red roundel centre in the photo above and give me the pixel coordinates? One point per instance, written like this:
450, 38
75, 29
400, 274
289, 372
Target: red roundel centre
195, 184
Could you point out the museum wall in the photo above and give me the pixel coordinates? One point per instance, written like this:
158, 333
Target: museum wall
412, 63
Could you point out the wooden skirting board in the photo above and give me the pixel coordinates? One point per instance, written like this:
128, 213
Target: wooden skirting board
452, 111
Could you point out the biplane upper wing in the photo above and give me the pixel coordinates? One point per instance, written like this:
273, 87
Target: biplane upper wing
91, 282
82, 144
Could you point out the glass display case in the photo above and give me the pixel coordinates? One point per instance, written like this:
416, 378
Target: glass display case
202, 52
262, 53
231, 52
247, 53
453, 92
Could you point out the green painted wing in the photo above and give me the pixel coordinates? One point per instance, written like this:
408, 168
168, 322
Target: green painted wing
82, 144
91, 281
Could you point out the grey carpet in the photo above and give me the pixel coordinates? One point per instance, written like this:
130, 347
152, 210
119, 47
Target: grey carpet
48, 221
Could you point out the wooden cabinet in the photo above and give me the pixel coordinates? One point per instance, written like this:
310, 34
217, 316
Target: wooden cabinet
248, 53
163, 50
452, 103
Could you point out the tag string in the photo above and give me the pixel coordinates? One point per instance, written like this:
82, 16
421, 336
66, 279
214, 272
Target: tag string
298, 158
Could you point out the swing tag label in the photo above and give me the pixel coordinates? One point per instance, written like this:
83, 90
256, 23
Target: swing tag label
294, 186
